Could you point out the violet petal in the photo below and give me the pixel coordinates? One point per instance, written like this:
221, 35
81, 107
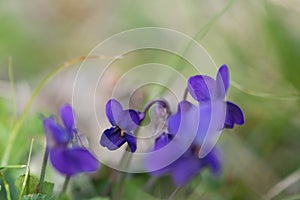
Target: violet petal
234, 115
128, 120
113, 109
55, 134
162, 140
67, 117
222, 80
202, 88
184, 169
71, 161
185, 109
213, 160
112, 139
131, 141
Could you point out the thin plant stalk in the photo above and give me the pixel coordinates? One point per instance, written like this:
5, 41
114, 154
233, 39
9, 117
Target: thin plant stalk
65, 186
172, 196
39, 87
27, 173
6, 186
39, 187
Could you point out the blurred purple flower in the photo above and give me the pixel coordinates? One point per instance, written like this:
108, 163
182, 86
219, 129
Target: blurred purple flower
189, 165
66, 157
123, 122
206, 90
186, 166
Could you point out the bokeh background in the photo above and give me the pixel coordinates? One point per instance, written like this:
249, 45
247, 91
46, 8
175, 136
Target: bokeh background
258, 40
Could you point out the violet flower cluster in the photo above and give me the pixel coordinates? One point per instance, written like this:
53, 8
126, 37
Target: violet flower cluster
67, 155
194, 123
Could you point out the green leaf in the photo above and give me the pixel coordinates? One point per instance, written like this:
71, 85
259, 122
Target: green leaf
48, 187
30, 187
39, 197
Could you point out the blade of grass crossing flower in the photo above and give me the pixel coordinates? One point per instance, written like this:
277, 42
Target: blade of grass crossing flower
39, 87
263, 94
6, 186
283, 185
27, 171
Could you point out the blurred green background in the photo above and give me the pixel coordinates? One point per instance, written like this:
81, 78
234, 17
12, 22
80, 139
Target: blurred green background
258, 40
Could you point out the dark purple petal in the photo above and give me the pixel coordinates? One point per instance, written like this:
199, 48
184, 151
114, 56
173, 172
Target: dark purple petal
55, 134
174, 123
234, 115
202, 88
222, 80
131, 141
162, 140
71, 161
68, 118
128, 120
113, 109
186, 110
184, 169
213, 160
112, 139
141, 116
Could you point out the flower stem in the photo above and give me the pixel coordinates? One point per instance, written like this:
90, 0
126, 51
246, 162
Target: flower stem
65, 186
185, 94
151, 181
174, 193
6, 186
122, 179
108, 187
39, 187
161, 102
122, 175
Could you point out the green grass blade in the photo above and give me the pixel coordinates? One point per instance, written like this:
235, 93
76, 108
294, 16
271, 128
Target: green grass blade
6, 186
12, 167
19, 122
27, 171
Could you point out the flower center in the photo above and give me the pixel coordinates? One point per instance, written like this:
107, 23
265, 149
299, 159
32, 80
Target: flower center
122, 133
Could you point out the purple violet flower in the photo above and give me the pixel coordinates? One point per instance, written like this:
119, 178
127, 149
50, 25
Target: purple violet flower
187, 165
206, 90
123, 122
66, 157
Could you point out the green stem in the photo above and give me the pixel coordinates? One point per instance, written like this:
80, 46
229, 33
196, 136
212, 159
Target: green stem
12, 87
27, 173
65, 186
172, 196
6, 186
185, 94
122, 175
39, 87
150, 183
39, 187
108, 187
